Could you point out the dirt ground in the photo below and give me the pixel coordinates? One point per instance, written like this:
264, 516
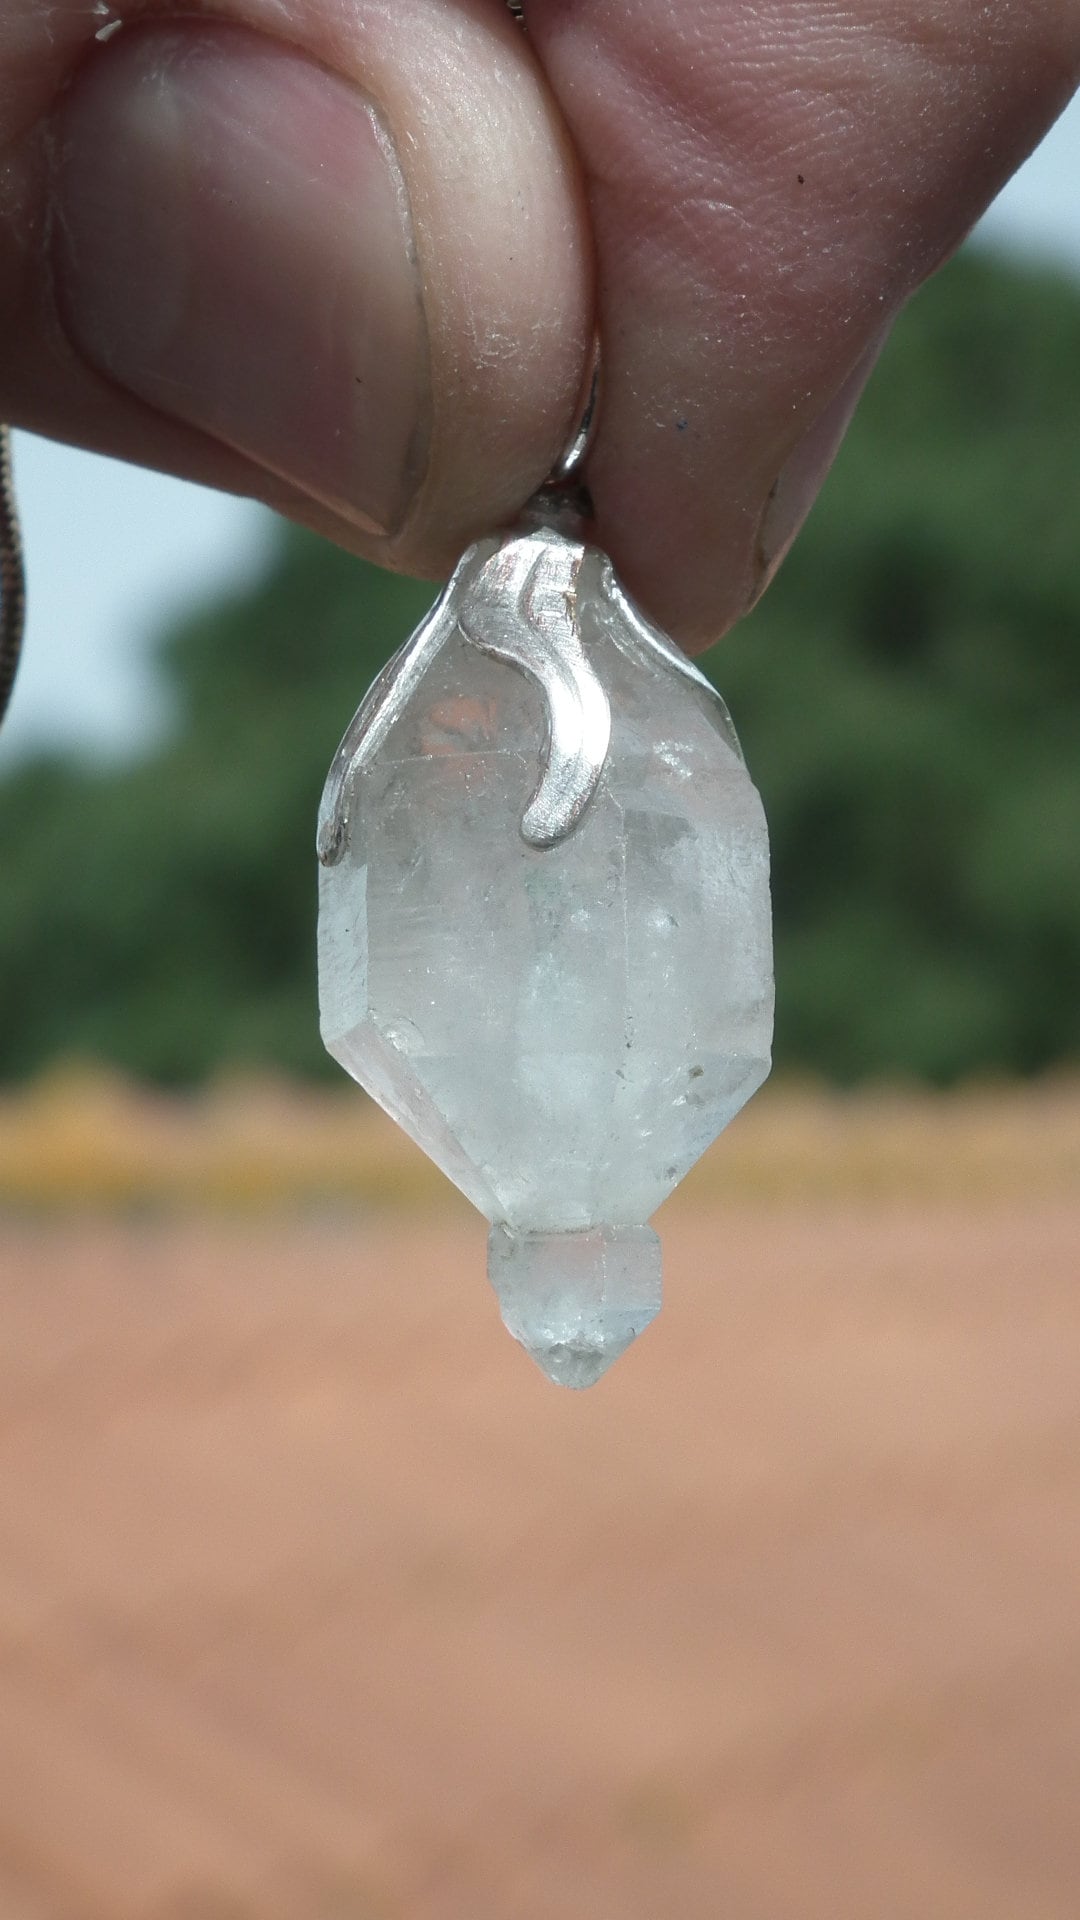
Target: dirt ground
318, 1603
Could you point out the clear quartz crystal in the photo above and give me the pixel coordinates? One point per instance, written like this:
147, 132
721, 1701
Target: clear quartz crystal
544, 934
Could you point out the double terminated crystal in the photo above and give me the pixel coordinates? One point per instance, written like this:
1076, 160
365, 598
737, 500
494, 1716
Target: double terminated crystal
544, 934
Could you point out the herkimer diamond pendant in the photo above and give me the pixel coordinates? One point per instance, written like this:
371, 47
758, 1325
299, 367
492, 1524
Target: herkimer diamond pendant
544, 929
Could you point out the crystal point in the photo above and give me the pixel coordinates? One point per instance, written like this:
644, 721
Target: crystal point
576, 1301
564, 1014
567, 1364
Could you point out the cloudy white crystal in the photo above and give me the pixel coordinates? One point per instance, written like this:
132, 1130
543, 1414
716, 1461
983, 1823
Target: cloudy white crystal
564, 1028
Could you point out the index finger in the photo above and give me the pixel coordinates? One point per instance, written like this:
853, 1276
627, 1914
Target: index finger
767, 186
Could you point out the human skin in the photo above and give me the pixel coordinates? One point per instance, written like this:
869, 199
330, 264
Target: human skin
349, 258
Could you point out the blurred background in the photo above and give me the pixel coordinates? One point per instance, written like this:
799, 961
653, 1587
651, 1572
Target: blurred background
314, 1601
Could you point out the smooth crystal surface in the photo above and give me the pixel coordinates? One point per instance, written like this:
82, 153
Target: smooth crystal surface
564, 1028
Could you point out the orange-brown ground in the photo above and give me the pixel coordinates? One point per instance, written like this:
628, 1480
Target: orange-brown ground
318, 1603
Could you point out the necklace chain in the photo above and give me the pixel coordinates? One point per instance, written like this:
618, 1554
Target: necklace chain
12, 576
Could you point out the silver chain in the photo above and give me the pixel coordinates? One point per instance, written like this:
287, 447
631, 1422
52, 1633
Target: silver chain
12, 576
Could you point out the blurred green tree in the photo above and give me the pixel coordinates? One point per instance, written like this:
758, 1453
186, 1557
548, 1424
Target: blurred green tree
908, 693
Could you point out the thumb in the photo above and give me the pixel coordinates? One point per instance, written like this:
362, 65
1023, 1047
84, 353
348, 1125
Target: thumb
323, 261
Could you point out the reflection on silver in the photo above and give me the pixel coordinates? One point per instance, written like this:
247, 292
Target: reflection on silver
523, 609
516, 598
567, 469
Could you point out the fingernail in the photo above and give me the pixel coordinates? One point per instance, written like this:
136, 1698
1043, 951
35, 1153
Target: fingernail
800, 479
234, 246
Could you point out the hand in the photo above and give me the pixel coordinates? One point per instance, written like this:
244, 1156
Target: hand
342, 257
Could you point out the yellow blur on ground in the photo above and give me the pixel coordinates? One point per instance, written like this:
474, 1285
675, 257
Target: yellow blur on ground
318, 1602
80, 1137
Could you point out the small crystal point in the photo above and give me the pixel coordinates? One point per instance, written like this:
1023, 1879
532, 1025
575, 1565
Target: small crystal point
576, 1301
576, 1366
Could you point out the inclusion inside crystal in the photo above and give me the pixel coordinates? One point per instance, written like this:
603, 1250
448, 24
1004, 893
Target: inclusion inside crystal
576, 1300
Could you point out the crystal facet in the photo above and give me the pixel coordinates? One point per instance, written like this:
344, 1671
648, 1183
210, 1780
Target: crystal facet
576, 1300
544, 937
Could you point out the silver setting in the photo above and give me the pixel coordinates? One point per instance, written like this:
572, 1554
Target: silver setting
567, 470
516, 599
523, 609
648, 639
386, 698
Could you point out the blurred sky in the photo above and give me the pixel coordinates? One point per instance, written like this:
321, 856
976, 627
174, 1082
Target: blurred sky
114, 554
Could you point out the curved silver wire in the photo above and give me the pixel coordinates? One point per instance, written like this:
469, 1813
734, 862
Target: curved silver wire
556, 499
563, 504
522, 608
567, 470
12, 576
